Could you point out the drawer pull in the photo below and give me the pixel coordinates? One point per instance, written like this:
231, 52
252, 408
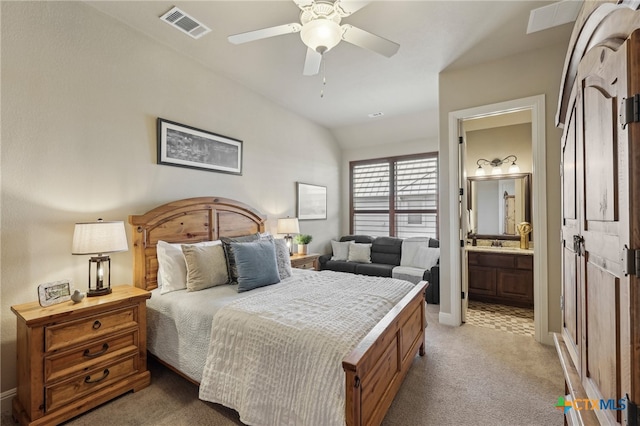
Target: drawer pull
105, 373
96, 325
105, 348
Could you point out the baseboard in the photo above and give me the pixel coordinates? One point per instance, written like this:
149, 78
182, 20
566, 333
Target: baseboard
5, 400
447, 319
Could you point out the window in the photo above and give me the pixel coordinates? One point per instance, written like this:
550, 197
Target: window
395, 196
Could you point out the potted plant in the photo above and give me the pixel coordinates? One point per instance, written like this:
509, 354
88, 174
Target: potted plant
302, 240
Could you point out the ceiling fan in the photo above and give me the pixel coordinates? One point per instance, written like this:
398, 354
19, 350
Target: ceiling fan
320, 30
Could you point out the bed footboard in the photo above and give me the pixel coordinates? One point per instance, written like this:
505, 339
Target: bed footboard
375, 369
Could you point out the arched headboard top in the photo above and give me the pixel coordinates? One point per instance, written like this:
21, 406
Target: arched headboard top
190, 220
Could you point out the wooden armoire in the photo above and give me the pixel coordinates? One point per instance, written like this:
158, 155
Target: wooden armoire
599, 111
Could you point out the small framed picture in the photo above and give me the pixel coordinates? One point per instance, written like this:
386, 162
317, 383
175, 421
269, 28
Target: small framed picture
312, 201
54, 292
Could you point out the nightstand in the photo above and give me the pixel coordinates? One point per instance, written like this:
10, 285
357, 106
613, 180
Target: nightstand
305, 261
75, 356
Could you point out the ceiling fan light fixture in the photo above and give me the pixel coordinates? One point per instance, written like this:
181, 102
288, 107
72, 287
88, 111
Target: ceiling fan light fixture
321, 35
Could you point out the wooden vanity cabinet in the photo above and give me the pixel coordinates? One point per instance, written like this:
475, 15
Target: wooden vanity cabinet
505, 278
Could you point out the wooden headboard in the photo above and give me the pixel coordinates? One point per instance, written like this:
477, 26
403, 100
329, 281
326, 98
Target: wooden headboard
187, 221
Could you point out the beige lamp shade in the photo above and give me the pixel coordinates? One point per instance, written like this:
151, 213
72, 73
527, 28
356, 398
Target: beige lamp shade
288, 225
99, 237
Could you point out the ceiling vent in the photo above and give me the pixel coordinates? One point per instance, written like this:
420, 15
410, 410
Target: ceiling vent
555, 14
185, 23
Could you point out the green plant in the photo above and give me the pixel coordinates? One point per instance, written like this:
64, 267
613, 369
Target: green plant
302, 239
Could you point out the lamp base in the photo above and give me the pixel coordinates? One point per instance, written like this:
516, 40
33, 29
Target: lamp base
101, 292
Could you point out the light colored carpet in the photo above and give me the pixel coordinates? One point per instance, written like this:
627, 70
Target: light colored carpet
469, 376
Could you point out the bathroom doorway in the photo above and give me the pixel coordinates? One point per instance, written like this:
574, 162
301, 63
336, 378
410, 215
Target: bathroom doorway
459, 170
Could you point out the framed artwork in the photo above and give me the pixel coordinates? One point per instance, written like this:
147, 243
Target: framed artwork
312, 201
185, 146
54, 292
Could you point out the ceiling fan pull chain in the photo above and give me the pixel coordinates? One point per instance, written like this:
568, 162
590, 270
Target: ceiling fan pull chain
324, 78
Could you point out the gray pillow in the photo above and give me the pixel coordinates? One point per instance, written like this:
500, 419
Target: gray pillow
230, 254
282, 258
256, 264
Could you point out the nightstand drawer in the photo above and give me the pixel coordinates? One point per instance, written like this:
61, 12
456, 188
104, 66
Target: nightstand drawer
60, 394
85, 357
75, 332
308, 265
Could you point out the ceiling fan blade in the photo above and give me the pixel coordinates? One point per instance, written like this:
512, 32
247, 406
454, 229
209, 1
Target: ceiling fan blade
264, 33
347, 7
369, 41
312, 62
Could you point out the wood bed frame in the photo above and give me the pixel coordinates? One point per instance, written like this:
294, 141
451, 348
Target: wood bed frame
374, 370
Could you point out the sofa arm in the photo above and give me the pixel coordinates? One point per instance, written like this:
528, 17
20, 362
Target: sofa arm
433, 290
322, 260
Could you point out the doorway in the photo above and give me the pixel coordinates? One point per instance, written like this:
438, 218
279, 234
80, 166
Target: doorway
539, 206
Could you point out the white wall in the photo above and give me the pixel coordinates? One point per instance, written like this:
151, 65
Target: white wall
80, 97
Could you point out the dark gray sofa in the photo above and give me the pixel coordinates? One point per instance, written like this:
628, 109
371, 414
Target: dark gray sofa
386, 253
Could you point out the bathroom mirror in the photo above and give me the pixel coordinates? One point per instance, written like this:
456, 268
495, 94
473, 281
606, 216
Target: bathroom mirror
497, 204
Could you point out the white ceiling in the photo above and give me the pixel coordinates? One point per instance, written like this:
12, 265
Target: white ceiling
433, 36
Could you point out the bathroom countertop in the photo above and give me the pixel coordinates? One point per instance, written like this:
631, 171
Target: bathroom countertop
514, 250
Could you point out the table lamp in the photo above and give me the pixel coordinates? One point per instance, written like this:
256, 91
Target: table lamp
98, 238
288, 226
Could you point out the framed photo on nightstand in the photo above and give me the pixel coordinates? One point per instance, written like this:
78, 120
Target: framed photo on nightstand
54, 292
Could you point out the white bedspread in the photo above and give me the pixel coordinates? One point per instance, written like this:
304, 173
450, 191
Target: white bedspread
276, 357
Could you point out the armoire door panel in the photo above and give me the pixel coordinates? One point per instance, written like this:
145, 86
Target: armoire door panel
570, 316
602, 348
569, 171
600, 155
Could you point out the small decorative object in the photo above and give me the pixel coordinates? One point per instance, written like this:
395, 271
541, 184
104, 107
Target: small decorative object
184, 146
312, 201
524, 229
77, 296
54, 292
302, 240
98, 238
288, 226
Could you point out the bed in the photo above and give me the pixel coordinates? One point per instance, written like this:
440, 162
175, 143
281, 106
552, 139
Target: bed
374, 366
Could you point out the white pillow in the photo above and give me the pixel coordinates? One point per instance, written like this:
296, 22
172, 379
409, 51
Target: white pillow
172, 268
426, 257
340, 250
360, 253
410, 247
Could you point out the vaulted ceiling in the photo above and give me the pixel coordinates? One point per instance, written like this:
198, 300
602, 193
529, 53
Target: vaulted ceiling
433, 36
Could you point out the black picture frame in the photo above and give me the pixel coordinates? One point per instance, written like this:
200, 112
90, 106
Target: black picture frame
312, 201
185, 146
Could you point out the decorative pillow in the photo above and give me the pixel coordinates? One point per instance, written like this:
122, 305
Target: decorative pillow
230, 255
359, 253
282, 258
340, 249
410, 247
256, 264
426, 257
206, 266
172, 269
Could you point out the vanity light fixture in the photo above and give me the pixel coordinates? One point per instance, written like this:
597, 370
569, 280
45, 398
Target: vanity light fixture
496, 165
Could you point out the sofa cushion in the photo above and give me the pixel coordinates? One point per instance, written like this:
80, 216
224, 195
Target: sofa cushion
386, 250
360, 239
340, 249
341, 266
374, 269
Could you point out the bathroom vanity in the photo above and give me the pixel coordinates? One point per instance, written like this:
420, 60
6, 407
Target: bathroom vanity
501, 275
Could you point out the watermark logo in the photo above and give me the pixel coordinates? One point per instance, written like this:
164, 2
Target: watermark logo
590, 404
